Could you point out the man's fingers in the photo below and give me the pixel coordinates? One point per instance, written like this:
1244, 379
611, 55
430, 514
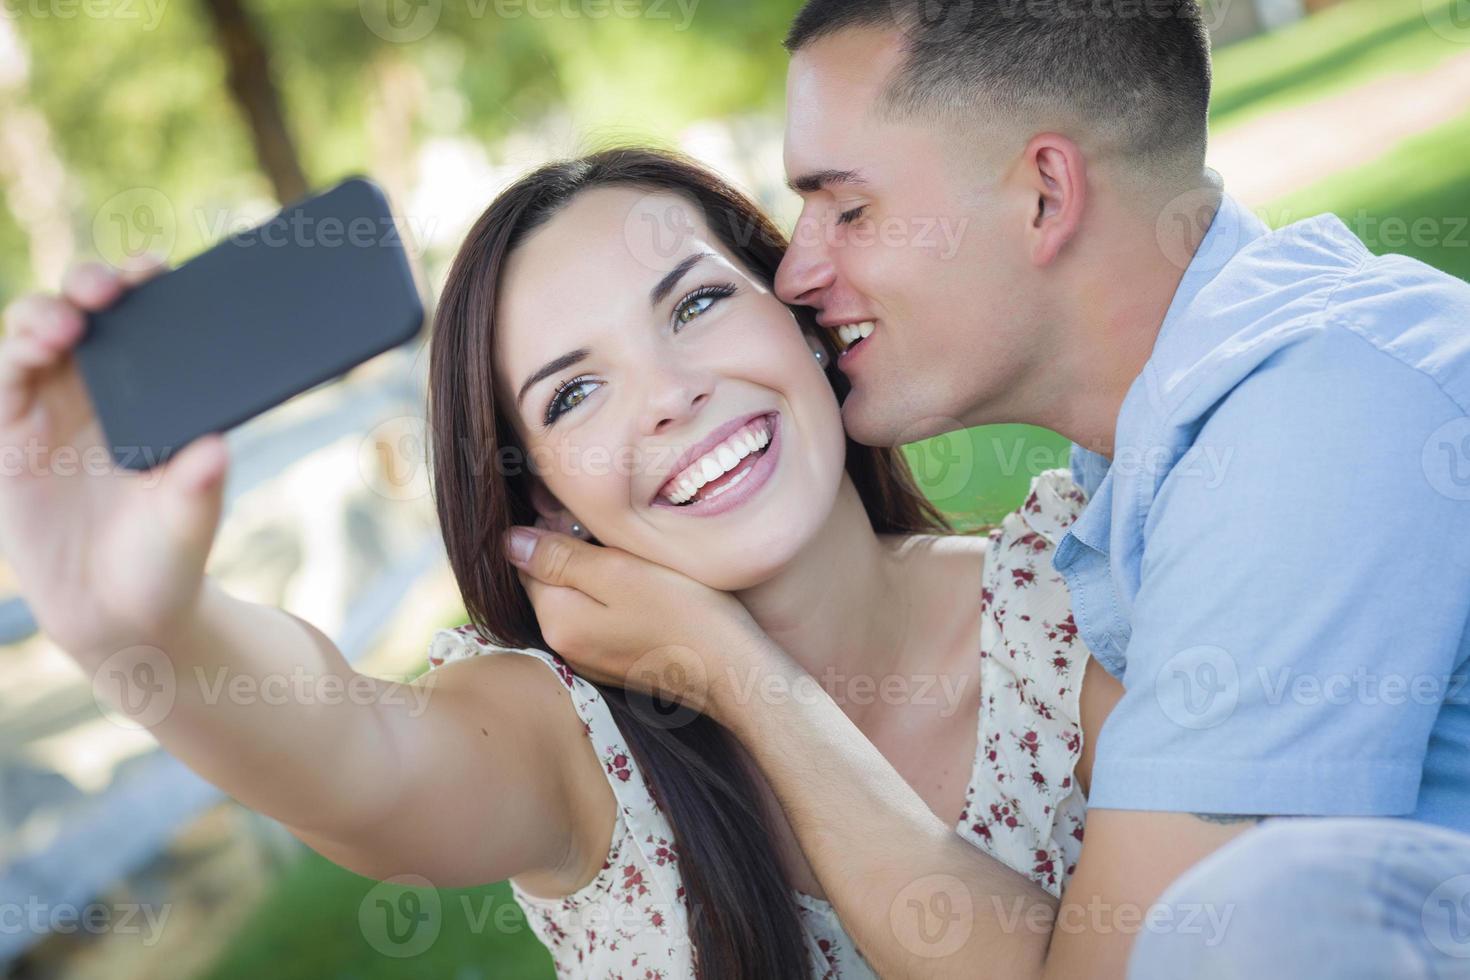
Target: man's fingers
567, 617
555, 599
545, 555
560, 559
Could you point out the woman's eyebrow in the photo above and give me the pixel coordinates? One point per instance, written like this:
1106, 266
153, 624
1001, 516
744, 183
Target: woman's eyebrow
656, 296
547, 370
666, 285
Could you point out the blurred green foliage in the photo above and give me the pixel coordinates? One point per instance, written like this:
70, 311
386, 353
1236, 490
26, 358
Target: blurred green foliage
140, 100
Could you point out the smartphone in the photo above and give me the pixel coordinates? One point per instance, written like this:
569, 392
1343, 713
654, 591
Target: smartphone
266, 314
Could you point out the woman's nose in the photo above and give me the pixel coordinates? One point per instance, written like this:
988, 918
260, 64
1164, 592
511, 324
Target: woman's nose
674, 397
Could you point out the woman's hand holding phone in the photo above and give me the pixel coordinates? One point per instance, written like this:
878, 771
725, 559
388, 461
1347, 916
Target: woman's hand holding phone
104, 556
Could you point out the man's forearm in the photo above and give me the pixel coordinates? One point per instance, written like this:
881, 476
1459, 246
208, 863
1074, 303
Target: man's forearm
918, 900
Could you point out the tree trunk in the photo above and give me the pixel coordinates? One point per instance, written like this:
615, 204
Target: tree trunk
247, 62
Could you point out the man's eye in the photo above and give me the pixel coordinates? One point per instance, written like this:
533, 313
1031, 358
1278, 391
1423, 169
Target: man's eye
568, 397
848, 217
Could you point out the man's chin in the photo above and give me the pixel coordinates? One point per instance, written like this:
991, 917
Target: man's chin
865, 426
889, 425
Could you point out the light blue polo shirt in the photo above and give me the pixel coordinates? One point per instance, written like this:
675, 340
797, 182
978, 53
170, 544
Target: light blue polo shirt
1276, 561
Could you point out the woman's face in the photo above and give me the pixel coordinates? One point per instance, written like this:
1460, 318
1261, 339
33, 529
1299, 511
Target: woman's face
666, 398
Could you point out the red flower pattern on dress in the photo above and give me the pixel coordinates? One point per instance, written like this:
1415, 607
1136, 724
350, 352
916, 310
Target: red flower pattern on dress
1030, 725
1022, 805
616, 763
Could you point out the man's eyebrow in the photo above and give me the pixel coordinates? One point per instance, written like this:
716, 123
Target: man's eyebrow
818, 179
560, 364
666, 285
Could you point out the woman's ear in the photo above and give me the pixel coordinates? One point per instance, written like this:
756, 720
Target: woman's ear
552, 515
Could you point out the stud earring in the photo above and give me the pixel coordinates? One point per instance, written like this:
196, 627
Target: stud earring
578, 531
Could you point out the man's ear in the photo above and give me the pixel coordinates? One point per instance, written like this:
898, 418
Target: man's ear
1056, 174
553, 515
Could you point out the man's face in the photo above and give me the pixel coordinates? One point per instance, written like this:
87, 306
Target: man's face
907, 228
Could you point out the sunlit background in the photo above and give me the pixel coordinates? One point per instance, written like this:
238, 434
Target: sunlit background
166, 125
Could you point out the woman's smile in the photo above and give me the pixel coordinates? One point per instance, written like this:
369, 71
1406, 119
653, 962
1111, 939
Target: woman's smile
726, 469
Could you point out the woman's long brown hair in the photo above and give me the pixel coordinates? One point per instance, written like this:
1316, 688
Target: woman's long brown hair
743, 913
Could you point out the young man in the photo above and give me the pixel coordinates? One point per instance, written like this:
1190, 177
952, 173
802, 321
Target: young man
1272, 430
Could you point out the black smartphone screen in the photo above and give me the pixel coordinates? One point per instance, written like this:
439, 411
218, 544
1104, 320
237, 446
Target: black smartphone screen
266, 314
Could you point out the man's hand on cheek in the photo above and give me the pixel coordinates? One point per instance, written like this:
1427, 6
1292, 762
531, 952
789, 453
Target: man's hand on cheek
622, 620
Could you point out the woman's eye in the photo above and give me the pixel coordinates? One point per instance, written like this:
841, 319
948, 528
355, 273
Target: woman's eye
569, 397
849, 216
697, 303
692, 308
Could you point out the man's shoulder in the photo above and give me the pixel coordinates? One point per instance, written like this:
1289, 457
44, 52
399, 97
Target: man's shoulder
1311, 299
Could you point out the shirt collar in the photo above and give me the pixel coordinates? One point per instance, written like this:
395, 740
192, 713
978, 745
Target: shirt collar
1233, 227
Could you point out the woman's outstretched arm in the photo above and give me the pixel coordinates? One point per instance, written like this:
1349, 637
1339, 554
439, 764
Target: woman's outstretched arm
465, 776
469, 774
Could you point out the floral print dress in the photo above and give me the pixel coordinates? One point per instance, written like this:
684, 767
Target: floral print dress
1022, 805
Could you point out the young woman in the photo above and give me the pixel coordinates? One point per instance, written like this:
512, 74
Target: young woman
607, 358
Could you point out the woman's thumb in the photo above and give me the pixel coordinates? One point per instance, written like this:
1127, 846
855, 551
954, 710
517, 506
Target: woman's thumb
193, 481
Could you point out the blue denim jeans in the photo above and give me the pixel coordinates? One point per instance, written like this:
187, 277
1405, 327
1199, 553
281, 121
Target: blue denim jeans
1338, 898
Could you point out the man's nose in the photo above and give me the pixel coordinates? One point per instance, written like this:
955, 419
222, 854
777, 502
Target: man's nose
807, 270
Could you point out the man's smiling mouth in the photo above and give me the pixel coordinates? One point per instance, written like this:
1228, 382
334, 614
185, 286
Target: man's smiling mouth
849, 335
852, 334
721, 467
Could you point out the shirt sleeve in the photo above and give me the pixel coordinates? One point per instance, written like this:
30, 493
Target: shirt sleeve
1302, 602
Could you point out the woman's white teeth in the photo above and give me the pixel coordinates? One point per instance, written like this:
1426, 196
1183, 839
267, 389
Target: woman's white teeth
719, 461
851, 333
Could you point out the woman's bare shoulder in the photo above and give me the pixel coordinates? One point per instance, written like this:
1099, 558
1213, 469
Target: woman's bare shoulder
970, 545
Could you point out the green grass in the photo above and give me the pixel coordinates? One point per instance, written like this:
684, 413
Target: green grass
1413, 200
978, 476
323, 923
1330, 52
